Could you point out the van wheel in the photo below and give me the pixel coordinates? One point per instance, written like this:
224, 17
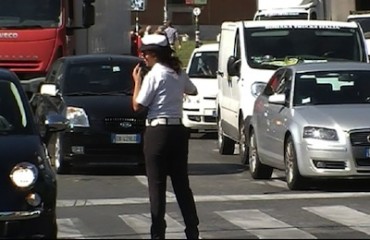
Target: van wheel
243, 148
226, 146
57, 159
257, 169
293, 178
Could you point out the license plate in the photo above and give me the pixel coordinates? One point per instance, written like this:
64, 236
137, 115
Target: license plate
126, 138
210, 112
367, 152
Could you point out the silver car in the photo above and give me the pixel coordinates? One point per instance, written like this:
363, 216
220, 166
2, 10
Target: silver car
313, 121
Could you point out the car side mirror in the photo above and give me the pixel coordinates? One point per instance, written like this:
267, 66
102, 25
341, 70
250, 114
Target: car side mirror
233, 66
55, 122
277, 99
49, 89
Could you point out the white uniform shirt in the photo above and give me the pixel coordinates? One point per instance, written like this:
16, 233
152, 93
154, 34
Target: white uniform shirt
162, 91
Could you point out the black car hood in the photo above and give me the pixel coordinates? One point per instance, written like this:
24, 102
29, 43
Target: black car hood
105, 105
18, 148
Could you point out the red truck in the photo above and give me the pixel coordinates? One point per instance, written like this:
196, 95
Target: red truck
33, 34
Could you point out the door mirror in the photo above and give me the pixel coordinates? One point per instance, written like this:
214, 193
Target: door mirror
277, 99
49, 89
56, 122
233, 66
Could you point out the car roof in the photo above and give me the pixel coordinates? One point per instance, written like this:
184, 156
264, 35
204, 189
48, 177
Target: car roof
6, 74
208, 47
330, 66
292, 23
100, 57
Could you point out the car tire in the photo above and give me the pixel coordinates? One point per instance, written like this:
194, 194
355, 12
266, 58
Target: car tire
293, 177
57, 159
257, 169
226, 146
243, 148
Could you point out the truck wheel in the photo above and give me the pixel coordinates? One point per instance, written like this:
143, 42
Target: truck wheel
226, 146
293, 178
243, 148
257, 169
57, 160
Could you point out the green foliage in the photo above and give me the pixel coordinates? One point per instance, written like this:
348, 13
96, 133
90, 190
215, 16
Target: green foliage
186, 49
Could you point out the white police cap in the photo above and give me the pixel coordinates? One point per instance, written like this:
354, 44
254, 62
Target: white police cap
154, 42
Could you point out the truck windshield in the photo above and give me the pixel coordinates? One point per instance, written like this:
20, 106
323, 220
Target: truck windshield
303, 16
271, 48
26, 14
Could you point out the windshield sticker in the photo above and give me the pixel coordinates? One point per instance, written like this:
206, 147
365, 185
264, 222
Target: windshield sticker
285, 26
116, 69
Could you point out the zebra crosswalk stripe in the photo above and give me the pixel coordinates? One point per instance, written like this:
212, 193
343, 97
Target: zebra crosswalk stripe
262, 225
141, 224
349, 217
67, 228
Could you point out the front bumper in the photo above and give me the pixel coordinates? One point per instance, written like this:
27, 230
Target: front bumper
28, 224
342, 160
100, 148
200, 119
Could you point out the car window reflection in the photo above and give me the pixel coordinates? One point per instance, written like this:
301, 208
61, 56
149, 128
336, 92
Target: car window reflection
204, 65
13, 118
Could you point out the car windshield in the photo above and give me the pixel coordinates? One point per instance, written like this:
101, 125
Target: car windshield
332, 87
99, 78
30, 14
364, 23
204, 65
284, 45
13, 117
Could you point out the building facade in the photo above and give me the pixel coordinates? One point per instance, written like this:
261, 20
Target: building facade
214, 12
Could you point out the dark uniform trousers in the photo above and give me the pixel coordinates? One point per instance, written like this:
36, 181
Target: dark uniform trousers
166, 154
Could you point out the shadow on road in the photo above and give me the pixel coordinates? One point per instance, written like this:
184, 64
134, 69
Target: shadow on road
215, 169
200, 136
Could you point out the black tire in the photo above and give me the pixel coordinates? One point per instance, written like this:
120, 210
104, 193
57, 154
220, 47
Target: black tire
293, 177
226, 146
243, 148
57, 159
257, 169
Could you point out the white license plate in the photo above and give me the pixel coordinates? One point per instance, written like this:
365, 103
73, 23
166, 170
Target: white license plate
126, 138
210, 112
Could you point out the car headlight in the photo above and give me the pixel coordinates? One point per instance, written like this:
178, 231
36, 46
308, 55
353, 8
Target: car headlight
24, 174
320, 133
257, 88
77, 117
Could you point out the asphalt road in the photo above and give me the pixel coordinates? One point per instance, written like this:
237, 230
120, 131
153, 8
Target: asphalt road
113, 203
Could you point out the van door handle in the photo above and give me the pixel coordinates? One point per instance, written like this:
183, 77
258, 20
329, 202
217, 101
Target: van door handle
220, 73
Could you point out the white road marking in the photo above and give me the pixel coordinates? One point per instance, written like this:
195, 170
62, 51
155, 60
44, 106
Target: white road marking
211, 198
67, 228
344, 215
143, 180
141, 224
262, 225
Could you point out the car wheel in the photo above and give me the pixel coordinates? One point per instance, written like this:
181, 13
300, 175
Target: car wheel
293, 178
226, 146
243, 148
257, 169
57, 159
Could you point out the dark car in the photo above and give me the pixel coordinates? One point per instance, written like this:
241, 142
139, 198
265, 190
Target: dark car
94, 92
28, 182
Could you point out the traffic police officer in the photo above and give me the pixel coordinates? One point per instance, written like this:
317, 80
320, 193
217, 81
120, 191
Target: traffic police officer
166, 139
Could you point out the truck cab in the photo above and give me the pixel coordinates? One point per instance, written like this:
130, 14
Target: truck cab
249, 53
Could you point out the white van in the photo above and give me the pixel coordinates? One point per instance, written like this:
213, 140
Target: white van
250, 51
199, 112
